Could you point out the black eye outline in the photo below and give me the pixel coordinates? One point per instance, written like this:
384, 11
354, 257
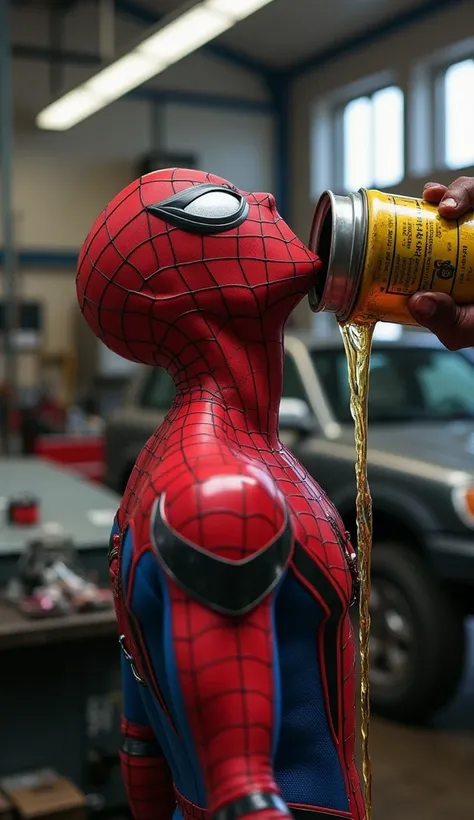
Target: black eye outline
172, 210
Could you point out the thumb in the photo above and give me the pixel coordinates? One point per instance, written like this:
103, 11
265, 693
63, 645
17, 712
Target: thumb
453, 325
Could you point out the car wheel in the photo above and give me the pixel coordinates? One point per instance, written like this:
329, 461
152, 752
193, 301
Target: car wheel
417, 641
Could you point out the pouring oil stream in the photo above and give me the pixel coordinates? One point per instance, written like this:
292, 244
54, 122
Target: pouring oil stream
358, 344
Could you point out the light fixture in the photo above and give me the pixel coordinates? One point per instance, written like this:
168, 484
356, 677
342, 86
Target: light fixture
236, 9
75, 106
122, 76
186, 34
173, 41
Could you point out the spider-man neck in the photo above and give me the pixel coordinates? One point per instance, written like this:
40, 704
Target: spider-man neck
235, 371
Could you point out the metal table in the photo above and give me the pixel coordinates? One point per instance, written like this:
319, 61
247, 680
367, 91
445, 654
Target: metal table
60, 682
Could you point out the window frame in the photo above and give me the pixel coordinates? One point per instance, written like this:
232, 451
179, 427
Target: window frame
327, 130
338, 137
325, 423
438, 75
425, 137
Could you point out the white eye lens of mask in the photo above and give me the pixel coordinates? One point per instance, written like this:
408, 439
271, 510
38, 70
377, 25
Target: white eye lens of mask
214, 204
203, 209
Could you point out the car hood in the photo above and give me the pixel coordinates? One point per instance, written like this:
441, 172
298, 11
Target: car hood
449, 445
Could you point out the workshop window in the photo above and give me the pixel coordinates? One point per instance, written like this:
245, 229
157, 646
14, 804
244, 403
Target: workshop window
370, 140
456, 114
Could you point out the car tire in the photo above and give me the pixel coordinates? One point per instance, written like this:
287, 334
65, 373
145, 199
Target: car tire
432, 628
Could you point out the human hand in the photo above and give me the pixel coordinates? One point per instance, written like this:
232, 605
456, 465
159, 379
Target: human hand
451, 323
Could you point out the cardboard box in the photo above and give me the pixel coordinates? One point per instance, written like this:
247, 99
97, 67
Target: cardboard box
44, 794
6, 808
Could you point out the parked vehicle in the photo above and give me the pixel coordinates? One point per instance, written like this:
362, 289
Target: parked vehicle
421, 472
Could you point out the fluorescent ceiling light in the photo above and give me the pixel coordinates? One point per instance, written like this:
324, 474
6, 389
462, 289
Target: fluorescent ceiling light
122, 76
189, 32
192, 29
236, 9
75, 106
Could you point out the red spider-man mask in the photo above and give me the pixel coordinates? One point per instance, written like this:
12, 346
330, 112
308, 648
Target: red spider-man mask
182, 257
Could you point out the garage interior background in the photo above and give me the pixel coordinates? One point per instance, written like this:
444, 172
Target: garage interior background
269, 105
245, 107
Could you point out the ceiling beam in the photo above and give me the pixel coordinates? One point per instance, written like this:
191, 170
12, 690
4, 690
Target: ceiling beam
370, 36
199, 99
47, 54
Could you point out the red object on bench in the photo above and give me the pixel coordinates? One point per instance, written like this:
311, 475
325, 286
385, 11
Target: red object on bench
84, 454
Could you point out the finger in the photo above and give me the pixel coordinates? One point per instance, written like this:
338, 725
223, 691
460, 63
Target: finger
452, 324
433, 192
458, 197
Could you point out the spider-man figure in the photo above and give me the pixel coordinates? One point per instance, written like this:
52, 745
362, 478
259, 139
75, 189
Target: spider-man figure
232, 573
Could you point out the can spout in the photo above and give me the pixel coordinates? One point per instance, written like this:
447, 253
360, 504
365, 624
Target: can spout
338, 238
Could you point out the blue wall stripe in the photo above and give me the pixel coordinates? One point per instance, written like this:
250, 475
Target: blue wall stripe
47, 258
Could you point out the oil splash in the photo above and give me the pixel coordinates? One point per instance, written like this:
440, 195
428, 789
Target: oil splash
358, 344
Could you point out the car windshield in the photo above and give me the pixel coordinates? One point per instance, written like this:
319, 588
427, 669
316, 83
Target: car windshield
406, 384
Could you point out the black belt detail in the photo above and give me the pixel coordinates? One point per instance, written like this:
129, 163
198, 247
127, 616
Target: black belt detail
258, 801
316, 814
140, 748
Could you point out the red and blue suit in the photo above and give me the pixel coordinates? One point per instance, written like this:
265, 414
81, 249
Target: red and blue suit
232, 572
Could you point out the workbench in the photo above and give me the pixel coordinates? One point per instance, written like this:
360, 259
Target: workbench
60, 682
84, 510
19, 632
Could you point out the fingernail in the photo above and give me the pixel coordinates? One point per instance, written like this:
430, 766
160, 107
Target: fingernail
431, 185
425, 306
449, 202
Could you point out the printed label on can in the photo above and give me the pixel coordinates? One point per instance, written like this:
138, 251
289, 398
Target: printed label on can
411, 248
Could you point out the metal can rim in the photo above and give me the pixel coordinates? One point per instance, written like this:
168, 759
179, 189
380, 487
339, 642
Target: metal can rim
346, 251
324, 205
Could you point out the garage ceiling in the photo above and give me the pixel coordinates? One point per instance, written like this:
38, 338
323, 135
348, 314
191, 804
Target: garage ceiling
283, 34
287, 31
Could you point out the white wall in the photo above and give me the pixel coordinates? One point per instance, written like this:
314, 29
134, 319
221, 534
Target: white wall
400, 52
61, 181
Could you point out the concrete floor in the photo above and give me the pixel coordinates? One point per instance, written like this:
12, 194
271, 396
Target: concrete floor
427, 774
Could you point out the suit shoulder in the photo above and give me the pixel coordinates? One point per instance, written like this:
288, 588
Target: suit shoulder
223, 534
